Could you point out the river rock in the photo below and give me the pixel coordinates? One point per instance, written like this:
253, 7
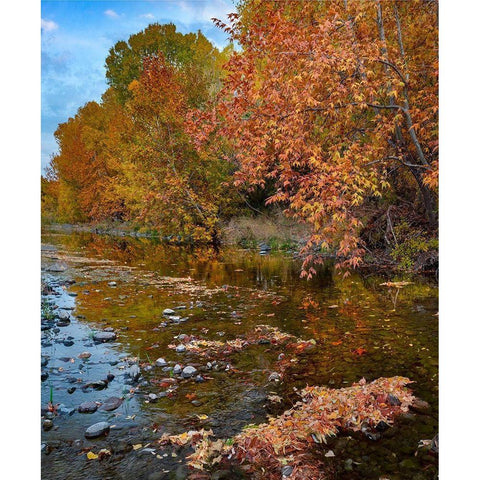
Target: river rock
84, 355
180, 348
287, 470
134, 372
152, 398
63, 315
112, 284
111, 403
47, 424
189, 372
56, 267
274, 377
168, 312
44, 376
161, 362
68, 343
177, 369
97, 430
87, 407
104, 336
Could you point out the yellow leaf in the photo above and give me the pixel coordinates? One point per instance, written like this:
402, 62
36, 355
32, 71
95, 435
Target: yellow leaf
137, 446
92, 456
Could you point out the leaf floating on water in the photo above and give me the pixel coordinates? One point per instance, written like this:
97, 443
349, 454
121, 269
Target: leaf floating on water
137, 446
395, 284
202, 417
92, 456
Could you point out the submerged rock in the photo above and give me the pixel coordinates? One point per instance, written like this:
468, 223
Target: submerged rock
111, 403
104, 336
87, 407
97, 430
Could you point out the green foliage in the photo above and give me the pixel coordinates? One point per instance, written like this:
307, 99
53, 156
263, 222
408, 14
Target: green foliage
411, 242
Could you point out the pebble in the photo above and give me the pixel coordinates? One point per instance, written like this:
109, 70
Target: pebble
168, 312
111, 404
177, 369
104, 336
180, 348
189, 372
68, 343
160, 362
152, 397
97, 429
87, 407
287, 470
274, 377
47, 424
112, 284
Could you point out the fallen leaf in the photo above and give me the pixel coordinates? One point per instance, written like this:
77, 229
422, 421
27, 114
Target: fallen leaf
137, 446
92, 456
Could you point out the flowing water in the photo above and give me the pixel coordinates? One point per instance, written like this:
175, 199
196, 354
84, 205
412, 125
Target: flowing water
361, 329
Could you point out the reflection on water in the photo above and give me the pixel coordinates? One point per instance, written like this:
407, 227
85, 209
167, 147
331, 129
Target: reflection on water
361, 329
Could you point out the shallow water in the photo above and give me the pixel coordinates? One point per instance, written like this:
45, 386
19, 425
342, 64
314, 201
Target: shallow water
361, 329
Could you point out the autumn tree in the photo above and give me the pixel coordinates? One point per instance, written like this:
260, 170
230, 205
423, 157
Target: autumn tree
191, 53
168, 184
337, 103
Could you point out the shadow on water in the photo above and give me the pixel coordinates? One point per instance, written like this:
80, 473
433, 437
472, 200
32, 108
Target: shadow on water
361, 329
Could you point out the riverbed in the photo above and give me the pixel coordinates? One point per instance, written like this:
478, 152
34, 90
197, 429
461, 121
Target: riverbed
152, 298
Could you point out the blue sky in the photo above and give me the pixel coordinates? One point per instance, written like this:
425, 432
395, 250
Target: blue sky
76, 37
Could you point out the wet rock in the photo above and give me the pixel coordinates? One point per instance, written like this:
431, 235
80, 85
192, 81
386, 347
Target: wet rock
152, 397
68, 343
189, 372
63, 315
180, 348
110, 377
97, 430
87, 407
71, 389
393, 400
47, 424
111, 404
274, 377
287, 470
66, 410
44, 376
420, 406
168, 312
84, 355
134, 372
104, 336
44, 361
56, 267
99, 385
161, 362
61, 323
199, 379
197, 403
381, 426
177, 369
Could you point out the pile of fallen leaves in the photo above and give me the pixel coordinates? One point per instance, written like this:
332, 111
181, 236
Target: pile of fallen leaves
210, 348
291, 438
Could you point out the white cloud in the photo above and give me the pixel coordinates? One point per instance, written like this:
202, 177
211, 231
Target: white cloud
111, 13
48, 25
150, 16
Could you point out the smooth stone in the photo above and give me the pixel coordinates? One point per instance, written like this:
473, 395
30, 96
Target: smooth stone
168, 311
274, 377
287, 470
44, 376
199, 379
87, 407
152, 397
112, 284
47, 424
134, 372
84, 355
104, 336
111, 403
161, 362
99, 385
68, 343
177, 369
189, 372
180, 348
63, 315
97, 429
108, 329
